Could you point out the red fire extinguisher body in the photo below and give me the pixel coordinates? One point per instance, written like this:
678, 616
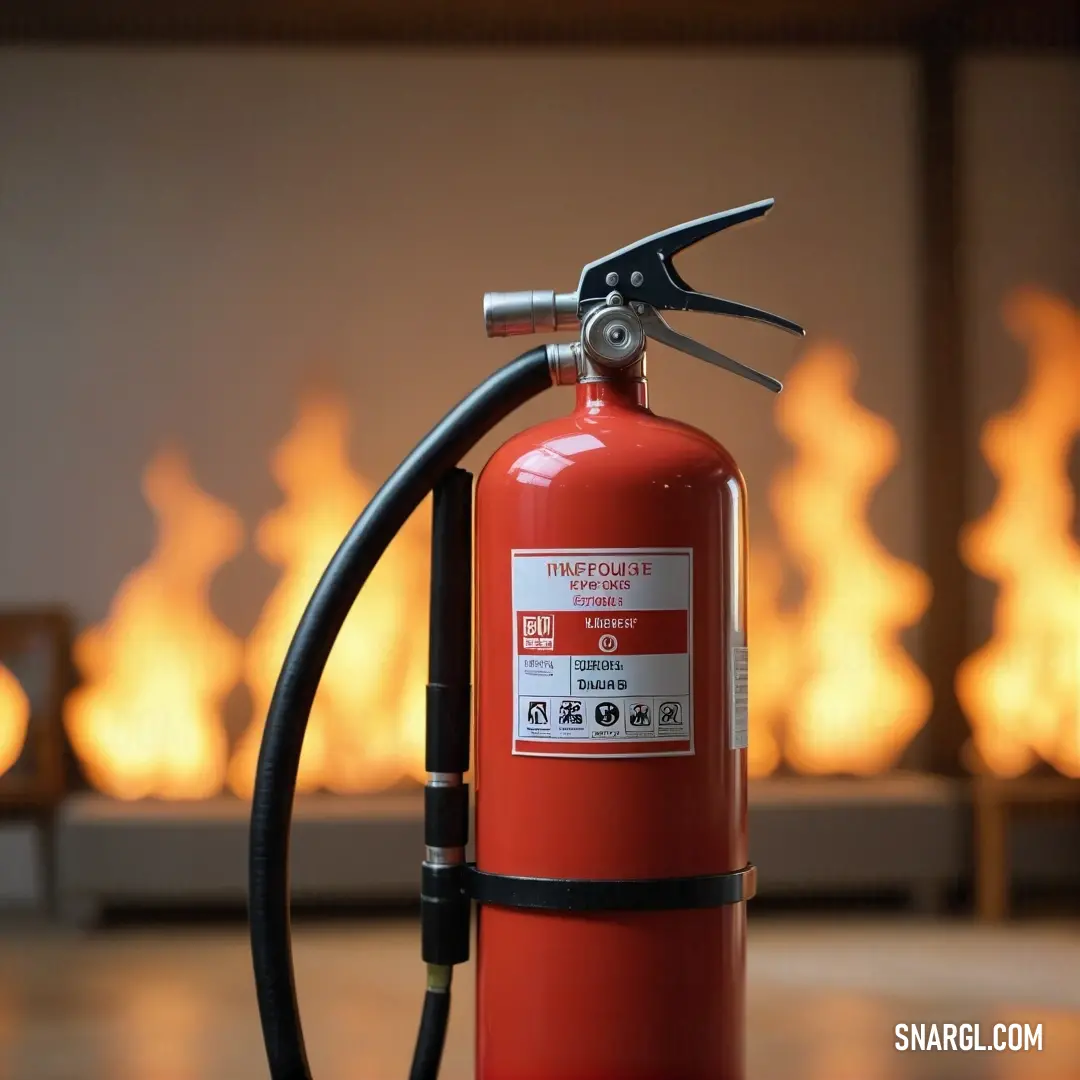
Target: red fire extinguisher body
610, 565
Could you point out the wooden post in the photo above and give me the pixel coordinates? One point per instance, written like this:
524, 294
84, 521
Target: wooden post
998, 803
943, 393
992, 878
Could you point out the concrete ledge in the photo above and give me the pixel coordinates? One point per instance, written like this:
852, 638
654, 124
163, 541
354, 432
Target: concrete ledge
908, 833
905, 831
112, 853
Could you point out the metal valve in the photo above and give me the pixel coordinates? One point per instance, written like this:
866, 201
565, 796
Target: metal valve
510, 314
619, 299
612, 335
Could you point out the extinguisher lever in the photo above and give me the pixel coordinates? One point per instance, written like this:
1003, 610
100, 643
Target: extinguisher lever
688, 300
656, 328
619, 299
643, 271
639, 259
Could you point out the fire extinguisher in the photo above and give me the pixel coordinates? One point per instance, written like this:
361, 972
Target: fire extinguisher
611, 873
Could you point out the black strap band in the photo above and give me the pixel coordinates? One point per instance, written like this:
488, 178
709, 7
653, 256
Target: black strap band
631, 894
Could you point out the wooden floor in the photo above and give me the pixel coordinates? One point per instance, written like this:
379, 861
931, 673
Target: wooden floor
177, 1004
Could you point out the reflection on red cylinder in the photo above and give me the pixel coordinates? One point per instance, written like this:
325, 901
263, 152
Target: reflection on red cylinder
652, 995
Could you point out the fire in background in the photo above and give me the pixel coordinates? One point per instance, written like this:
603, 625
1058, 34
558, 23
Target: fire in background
367, 725
774, 650
14, 719
1021, 691
832, 688
147, 721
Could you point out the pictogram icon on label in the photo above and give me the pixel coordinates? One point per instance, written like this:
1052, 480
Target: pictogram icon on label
603, 646
570, 712
539, 632
607, 714
640, 719
571, 718
671, 719
533, 718
669, 714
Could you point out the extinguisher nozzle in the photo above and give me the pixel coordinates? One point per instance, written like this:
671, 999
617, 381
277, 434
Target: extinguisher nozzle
511, 314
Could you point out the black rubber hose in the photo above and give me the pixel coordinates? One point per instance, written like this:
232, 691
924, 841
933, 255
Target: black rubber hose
286, 722
432, 1037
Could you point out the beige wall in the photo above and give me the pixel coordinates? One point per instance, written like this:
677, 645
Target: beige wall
187, 238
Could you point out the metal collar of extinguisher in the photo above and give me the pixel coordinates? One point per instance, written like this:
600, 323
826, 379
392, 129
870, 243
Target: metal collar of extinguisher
617, 307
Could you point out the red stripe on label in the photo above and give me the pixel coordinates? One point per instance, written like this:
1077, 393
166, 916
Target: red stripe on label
577, 633
565, 748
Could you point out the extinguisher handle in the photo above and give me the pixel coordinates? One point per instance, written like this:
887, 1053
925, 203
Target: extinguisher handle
643, 272
641, 279
655, 327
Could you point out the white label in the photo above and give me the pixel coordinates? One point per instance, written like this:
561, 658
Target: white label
603, 641
740, 700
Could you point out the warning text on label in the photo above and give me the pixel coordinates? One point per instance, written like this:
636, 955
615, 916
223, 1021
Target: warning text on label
618, 683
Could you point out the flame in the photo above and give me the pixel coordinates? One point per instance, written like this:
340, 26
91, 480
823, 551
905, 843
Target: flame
367, 725
773, 637
1022, 690
148, 721
14, 719
858, 698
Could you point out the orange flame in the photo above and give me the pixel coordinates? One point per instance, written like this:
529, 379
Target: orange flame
14, 719
857, 699
367, 725
1022, 690
773, 637
148, 721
